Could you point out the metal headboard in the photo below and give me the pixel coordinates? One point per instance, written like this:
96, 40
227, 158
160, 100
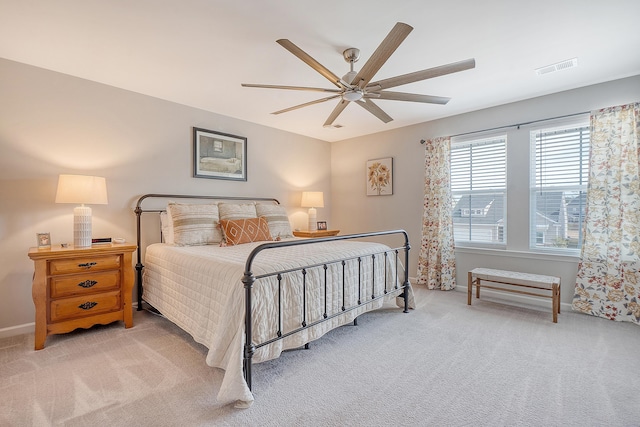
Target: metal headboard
139, 211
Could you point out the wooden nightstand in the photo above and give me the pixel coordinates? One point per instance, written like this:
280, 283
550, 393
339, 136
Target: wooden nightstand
78, 288
319, 233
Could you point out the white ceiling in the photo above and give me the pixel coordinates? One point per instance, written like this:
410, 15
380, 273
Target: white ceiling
198, 52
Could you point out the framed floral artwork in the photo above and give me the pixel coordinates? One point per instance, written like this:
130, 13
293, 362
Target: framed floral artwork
380, 177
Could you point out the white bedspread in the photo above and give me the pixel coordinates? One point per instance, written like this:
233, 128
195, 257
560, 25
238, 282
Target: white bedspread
199, 288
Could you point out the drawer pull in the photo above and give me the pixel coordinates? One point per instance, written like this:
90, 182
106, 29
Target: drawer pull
87, 284
88, 305
87, 265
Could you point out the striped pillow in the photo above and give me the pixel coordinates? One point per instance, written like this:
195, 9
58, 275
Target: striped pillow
195, 224
239, 231
237, 210
276, 216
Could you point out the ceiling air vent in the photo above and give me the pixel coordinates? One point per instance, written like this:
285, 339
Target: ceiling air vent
569, 63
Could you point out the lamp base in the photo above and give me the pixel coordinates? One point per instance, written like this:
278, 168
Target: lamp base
82, 227
313, 225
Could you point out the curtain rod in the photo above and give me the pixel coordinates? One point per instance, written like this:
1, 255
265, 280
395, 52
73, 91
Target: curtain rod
517, 125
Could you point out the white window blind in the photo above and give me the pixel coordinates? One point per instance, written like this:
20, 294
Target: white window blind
559, 177
478, 187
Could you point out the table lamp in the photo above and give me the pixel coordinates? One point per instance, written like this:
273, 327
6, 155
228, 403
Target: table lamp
312, 200
82, 189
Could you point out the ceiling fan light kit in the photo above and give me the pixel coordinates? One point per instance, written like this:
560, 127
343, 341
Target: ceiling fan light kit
353, 95
356, 86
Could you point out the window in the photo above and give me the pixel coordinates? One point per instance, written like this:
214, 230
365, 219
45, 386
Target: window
559, 176
478, 188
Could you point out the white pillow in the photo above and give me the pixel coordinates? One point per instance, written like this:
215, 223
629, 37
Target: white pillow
166, 225
195, 224
233, 211
276, 216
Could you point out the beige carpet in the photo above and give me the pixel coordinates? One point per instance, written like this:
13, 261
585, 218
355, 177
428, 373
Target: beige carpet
443, 364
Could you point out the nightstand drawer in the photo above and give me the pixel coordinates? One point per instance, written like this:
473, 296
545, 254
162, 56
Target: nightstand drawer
78, 265
88, 305
80, 284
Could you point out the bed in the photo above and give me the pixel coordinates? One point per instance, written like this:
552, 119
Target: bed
249, 301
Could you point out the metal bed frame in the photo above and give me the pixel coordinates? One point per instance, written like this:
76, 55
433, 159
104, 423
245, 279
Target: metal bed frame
249, 279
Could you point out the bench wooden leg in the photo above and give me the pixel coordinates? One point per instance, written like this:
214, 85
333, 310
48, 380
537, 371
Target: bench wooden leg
469, 287
477, 287
555, 302
559, 287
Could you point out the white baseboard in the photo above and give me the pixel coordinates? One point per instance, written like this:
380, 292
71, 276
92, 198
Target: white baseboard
12, 331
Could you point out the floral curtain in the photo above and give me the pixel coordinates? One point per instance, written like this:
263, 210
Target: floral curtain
608, 281
436, 261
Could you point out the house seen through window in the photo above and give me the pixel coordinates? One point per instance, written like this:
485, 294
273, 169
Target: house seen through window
559, 176
478, 189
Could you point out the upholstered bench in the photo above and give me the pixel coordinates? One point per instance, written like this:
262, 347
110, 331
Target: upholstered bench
479, 277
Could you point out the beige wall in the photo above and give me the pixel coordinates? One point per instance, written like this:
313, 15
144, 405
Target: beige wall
51, 123
353, 211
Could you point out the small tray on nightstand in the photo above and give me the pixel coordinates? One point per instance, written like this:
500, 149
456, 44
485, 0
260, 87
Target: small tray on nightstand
319, 233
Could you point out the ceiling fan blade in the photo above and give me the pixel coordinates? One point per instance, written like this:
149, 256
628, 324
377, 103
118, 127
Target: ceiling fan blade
389, 45
311, 62
423, 75
336, 112
306, 104
413, 97
315, 89
369, 105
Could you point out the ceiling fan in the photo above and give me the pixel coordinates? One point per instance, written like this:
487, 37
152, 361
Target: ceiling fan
357, 86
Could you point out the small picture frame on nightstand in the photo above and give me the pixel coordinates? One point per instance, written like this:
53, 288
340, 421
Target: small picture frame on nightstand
322, 225
44, 240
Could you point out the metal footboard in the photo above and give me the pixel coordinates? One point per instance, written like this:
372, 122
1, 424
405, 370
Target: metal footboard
364, 298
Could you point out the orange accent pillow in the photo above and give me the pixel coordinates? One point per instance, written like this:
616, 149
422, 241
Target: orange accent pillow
238, 231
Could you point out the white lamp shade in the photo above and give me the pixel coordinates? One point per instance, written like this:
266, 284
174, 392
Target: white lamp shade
312, 199
81, 189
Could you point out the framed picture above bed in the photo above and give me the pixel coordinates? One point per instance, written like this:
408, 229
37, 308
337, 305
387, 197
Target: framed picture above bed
219, 155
